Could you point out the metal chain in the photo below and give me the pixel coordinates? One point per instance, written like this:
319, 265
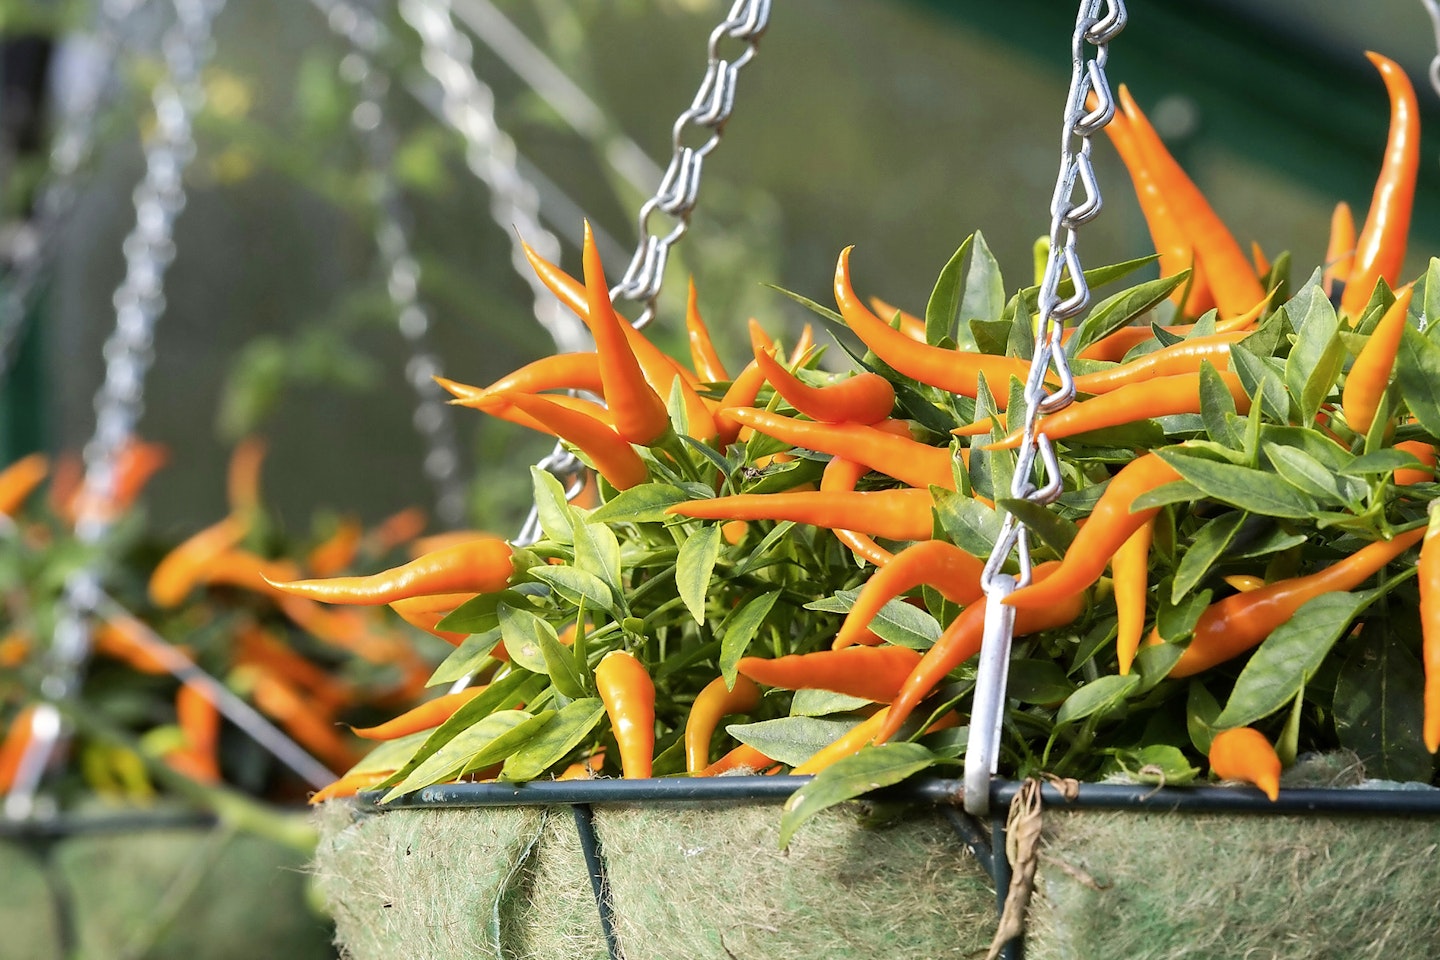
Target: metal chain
31, 244
1432, 7
433, 417
680, 186
139, 300
1097, 23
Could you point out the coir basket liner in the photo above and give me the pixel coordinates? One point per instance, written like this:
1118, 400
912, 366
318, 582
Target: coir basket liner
485, 870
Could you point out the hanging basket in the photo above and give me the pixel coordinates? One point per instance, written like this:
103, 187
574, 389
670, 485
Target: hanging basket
165, 886
693, 870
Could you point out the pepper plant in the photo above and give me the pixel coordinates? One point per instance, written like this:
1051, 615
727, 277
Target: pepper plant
1252, 461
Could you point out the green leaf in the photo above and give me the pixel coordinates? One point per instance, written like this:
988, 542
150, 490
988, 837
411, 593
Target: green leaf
465, 659
1380, 462
391, 754
1177, 621
791, 740
1431, 299
480, 614
1286, 661
557, 516
897, 622
763, 548
597, 552
1097, 698
1037, 681
694, 567
821, 703
1310, 442
645, 503
1057, 532
1177, 491
984, 290
576, 586
522, 631
1378, 707
1201, 710
1318, 354
943, 308
1417, 371
1257, 373
969, 524
1121, 309
1310, 476
1158, 763
486, 742
739, 629
555, 740
853, 776
1208, 546
1256, 491
1217, 406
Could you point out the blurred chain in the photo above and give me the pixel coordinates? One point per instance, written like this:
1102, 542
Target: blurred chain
433, 418
680, 186
148, 249
1432, 7
30, 243
1098, 22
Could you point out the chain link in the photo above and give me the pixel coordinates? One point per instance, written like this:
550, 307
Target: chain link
680, 186
1432, 7
1098, 22
433, 418
30, 245
149, 250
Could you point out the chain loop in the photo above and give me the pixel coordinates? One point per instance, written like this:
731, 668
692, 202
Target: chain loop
680, 186
139, 300
1432, 7
1067, 215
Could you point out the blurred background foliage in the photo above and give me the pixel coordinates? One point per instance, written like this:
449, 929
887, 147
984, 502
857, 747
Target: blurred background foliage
899, 127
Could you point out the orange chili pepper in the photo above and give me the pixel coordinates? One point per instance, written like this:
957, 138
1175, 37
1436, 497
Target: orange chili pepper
743, 757
135, 463
950, 370
242, 480
1183, 357
1244, 582
952, 571
15, 647
1243, 753
346, 629
1380, 249
559, 371
1257, 256
741, 393
260, 648
1340, 252
425, 612
961, 640
351, 784
248, 571
874, 673
13, 747
861, 399
427, 715
1232, 279
118, 640
711, 705
917, 464
337, 551
842, 474
1167, 233
803, 344
628, 694
1239, 622
1157, 397
20, 479
847, 745
1429, 579
892, 514
708, 365
610, 454
301, 720
587, 768
910, 325
640, 415
400, 527
199, 720
180, 570
1111, 523
1421, 451
483, 565
502, 407
1131, 569
1370, 373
